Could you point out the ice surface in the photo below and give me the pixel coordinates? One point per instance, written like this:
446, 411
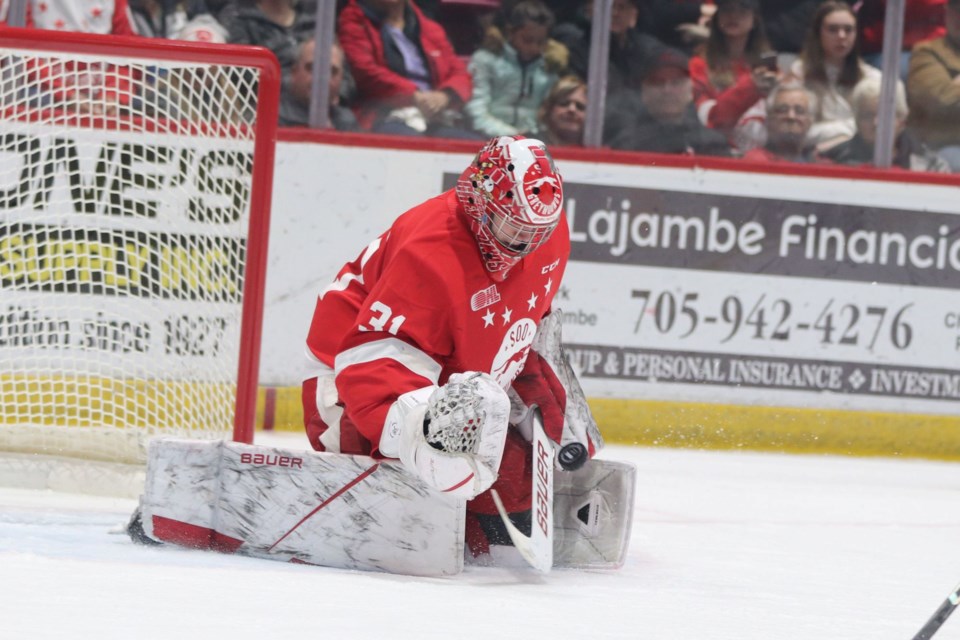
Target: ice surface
725, 546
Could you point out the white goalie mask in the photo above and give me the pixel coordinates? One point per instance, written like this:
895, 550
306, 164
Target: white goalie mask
513, 195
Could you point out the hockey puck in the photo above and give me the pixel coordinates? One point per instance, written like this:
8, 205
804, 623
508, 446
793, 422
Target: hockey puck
572, 456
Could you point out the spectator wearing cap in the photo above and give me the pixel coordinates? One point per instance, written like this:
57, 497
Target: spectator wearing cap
561, 117
830, 66
933, 89
908, 152
730, 81
666, 120
629, 48
790, 109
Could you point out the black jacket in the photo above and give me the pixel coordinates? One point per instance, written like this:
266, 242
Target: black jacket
295, 114
249, 25
626, 61
660, 18
688, 136
787, 22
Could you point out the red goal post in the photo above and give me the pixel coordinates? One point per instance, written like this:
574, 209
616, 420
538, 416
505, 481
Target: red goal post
135, 189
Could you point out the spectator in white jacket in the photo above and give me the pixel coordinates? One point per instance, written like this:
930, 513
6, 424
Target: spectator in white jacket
830, 65
510, 75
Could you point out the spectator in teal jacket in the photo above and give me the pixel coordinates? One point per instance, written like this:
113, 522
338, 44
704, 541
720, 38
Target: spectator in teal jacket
511, 77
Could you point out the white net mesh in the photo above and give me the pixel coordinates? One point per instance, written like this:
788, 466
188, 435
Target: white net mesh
124, 212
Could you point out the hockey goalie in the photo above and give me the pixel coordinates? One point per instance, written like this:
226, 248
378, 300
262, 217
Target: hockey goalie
448, 425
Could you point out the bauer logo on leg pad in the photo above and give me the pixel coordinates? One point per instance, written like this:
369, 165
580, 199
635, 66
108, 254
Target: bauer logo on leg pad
264, 459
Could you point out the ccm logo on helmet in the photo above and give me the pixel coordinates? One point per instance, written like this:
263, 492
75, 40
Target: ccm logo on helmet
275, 461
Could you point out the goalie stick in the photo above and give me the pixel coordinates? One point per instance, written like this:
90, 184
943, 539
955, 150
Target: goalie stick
536, 549
940, 615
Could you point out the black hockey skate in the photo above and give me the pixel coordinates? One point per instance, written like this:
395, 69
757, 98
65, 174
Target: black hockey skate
136, 532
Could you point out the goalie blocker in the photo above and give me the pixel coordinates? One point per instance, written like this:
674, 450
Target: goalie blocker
355, 512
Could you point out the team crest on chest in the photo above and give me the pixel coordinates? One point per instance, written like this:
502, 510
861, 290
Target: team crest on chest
513, 351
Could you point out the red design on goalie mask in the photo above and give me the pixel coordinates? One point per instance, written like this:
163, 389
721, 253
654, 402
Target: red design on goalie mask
512, 194
542, 194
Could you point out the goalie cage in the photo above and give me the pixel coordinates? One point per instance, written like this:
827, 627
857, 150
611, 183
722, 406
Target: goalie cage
135, 182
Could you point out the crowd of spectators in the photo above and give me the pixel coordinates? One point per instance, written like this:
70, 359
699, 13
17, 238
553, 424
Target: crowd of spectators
766, 80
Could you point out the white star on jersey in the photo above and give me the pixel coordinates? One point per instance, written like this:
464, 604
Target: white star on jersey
549, 285
506, 315
532, 302
488, 318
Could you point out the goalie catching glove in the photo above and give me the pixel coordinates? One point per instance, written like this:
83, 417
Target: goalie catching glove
451, 437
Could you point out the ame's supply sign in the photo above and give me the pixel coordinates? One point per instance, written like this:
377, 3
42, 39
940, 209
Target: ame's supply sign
767, 301
122, 244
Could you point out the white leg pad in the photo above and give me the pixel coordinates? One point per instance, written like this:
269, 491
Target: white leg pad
327, 509
593, 512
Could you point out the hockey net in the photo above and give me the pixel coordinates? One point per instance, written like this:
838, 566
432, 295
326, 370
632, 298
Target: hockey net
135, 183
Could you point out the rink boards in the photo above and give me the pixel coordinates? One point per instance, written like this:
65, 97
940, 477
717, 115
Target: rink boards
704, 305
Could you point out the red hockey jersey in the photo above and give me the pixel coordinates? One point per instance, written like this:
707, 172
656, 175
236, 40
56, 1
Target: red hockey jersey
417, 306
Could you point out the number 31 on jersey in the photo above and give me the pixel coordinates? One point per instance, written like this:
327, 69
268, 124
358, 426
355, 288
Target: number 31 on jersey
382, 314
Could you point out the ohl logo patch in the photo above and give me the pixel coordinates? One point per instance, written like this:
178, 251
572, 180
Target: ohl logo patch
513, 351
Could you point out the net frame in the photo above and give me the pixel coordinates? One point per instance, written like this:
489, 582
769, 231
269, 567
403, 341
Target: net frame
145, 51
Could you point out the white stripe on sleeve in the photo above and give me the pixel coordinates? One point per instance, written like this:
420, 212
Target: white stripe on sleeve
392, 349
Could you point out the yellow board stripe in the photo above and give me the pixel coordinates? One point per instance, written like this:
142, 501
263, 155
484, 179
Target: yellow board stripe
77, 401
787, 429
718, 426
